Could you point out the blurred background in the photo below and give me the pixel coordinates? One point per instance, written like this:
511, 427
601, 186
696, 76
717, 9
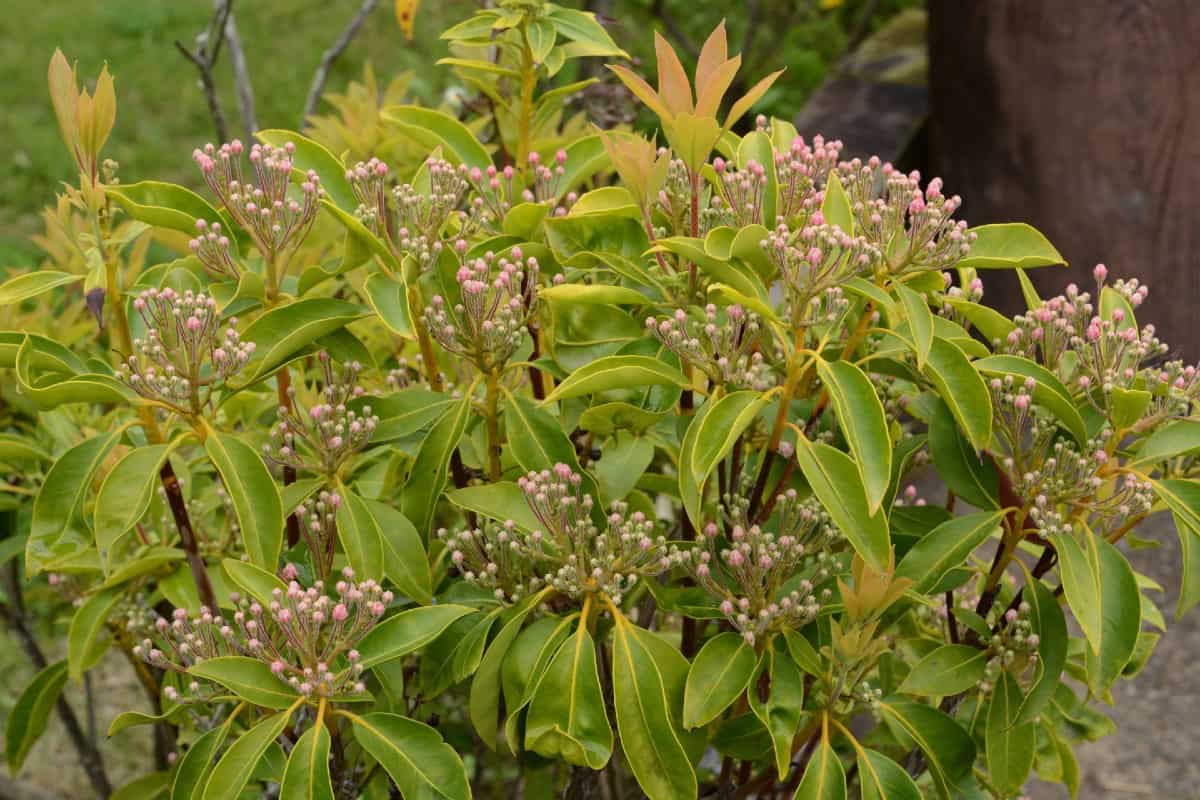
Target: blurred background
1081, 117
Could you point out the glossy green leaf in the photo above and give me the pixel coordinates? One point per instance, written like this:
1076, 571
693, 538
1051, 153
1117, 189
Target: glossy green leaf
1048, 390
437, 128
248, 678
721, 671
618, 372
29, 715
948, 670
454, 655
920, 322
197, 762
1178, 438
254, 496
388, 298
1121, 619
86, 627
1009, 744
1050, 624
407, 632
56, 506
484, 703
776, 697
126, 493
360, 536
153, 786
166, 205
132, 719
836, 205
233, 771
31, 284
566, 717
284, 331
949, 750
582, 28
884, 779
835, 481
414, 755
861, 418
254, 581
1010, 245
427, 477
653, 750
945, 548
404, 560
1079, 566
307, 774
592, 294
967, 473
963, 389
709, 439
824, 776
501, 502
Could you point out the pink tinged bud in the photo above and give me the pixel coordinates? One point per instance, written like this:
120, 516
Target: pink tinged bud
285, 616
290, 573
377, 609
340, 613
726, 608
277, 667
1100, 272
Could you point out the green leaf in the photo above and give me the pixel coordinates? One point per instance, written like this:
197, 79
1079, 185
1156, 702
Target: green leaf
618, 372
360, 536
566, 717
501, 502
803, 653
414, 755
147, 787
433, 128
741, 279
49, 375
311, 155
1172, 440
920, 322
1008, 246
720, 673
16, 450
836, 205
234, 769
709, 439
407, 632
946, 671
1049, 623
29, 715
581, 27
653, 750
965, 472
835, 481
31, 284
254, 581
284, 331
307, 774
592, 294
132, 719
962, 389
484, 704
248, 678
454, 655
1121, 619
405, 562
535, 438
861, 417
56, 507
427, 477
824, 777
884, 779
948, 749
126, 493
776, 697
388, 298
197, 762
945, 548
1048, 390
756, 146
1009, 744
254, 496
86, 626
166, 205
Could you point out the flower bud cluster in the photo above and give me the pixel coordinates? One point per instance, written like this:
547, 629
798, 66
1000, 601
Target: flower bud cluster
741, 192
497, 190
569, 552
1013, 648
749, 570
414, 217
675, 203
321, 438
306, 636
724, 346
889, 207
213, 248
260, 203
799, 171
498, 298
183, 346
317, 518
817, 257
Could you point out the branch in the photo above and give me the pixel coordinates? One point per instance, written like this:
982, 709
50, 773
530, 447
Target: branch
333, 54
241, 78
205, 58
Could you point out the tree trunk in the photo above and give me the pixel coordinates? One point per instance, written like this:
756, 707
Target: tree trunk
1081, 117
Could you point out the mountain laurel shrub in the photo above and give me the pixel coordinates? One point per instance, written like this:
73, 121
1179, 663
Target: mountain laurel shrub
563, 462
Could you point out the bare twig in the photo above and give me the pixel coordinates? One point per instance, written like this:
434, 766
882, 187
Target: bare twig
204, 57
333, 54
241, 77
